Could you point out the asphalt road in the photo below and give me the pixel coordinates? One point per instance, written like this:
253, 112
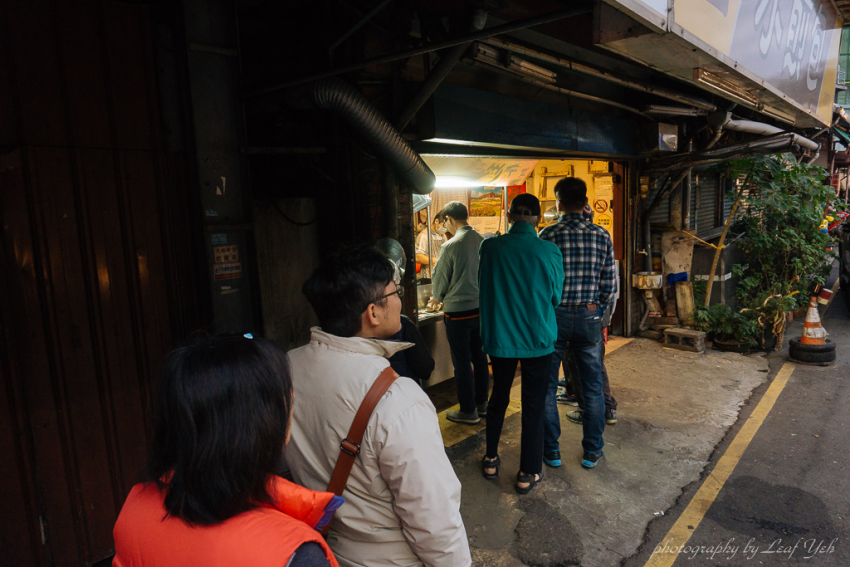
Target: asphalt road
787, 502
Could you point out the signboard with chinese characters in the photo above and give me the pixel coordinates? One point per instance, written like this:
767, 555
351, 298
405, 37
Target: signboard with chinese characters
790, 44
453, 172
226, 254
488, 226
226, 264
602, 199
606, 221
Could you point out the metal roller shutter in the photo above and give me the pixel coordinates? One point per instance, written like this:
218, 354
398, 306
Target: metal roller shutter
661, 215
704, 204
705, 197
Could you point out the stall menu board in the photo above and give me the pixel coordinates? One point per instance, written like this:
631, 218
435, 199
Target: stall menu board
603, 188
489, 226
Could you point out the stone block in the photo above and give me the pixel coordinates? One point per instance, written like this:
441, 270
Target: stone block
685, 339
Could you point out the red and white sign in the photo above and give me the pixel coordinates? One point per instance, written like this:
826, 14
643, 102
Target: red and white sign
224, 254
227, 271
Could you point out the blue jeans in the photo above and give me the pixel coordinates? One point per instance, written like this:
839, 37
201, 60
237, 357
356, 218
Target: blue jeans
579, 330
464, 338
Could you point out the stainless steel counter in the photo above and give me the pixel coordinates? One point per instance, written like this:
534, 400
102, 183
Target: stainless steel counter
429, 317
433, 328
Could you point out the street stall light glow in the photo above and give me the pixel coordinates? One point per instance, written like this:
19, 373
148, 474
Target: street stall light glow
456, 182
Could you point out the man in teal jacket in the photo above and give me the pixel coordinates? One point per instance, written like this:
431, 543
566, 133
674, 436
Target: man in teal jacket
520, 282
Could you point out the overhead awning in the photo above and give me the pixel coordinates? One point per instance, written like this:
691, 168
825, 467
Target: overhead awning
458, 172
470, 117
842, 135
777, 58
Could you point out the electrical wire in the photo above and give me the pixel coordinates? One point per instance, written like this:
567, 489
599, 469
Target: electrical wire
295, 222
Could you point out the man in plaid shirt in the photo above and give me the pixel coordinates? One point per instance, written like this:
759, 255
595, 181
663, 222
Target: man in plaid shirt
590, 283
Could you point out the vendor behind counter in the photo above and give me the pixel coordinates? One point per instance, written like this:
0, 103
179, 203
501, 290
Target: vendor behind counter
438, 237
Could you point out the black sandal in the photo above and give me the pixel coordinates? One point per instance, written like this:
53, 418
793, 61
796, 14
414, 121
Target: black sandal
529, 478
490, 464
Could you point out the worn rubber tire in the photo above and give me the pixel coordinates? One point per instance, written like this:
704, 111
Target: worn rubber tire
794, 345
812, 353
814, 357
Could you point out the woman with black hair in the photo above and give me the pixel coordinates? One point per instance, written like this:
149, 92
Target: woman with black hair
211, 498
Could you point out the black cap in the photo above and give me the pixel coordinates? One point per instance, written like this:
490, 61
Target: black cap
525, 204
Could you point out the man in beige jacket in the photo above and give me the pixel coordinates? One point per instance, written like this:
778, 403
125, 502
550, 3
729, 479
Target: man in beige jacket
402, 498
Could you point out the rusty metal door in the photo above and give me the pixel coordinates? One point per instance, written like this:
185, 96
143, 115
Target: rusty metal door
96, 271
86, 316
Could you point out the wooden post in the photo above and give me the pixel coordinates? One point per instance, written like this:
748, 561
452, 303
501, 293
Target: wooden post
720, 242
685, 302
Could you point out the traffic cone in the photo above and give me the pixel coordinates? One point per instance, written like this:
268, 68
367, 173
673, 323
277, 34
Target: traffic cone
813, 331
825, 296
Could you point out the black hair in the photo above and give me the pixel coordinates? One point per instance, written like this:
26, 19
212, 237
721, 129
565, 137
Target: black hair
221, 419
571, 192
456, 210
344, 285
440, 216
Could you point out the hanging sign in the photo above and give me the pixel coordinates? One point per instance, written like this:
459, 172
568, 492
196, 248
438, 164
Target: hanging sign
227, 270
606, 221
226, 264
226, 253
604, 189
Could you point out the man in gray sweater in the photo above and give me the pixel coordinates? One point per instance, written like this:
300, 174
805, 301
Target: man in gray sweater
455, 285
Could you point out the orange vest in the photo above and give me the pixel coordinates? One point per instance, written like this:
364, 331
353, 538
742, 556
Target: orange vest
264, 537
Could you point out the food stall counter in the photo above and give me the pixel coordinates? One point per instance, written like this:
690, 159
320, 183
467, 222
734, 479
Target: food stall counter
433, 329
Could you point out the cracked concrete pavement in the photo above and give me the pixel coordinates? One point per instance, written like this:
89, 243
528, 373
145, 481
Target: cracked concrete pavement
674, 408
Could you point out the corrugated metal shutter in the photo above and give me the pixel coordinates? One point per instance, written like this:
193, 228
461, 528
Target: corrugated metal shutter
704, 204
731, 191
661, 215
705, 199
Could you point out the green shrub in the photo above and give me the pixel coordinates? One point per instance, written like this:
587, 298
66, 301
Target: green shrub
777, 223
727, 325
779, 218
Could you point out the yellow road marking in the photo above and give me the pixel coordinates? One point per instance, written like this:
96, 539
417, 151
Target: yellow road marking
454, 433
668, 550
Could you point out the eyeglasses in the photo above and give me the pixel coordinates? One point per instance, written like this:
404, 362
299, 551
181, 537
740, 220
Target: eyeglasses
398, 290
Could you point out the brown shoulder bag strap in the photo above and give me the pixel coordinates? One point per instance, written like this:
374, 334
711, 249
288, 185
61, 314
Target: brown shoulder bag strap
349, 448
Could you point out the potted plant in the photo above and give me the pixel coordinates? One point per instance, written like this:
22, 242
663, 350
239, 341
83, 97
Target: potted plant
731, 331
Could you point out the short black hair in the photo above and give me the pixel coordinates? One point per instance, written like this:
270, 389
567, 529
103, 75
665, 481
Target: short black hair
345, 284
456, 210
440, 216
222, 412
571, 192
